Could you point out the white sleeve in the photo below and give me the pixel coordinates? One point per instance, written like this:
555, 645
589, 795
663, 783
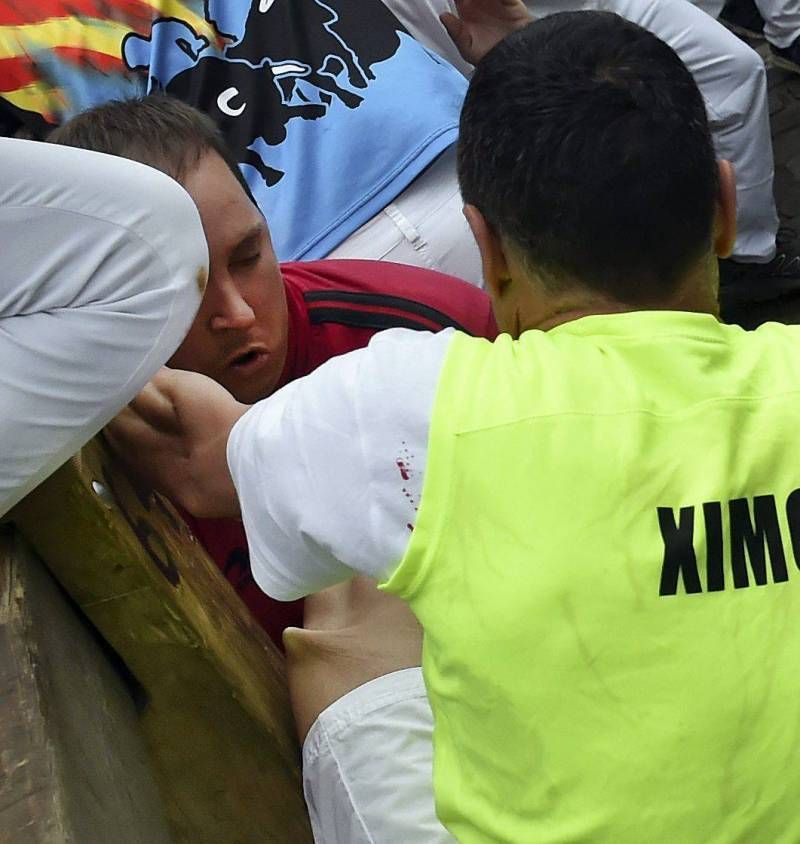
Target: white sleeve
329, 470
102, 269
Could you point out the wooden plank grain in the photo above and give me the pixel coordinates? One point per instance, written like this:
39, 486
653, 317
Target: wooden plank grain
217, 717
73, 763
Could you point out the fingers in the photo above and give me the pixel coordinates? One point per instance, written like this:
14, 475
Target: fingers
459, 34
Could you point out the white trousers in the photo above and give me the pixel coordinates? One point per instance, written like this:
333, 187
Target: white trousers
367, 766
103, 264
781, 18
424, 226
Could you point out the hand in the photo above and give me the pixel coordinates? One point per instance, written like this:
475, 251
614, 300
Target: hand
173, 438
480, 24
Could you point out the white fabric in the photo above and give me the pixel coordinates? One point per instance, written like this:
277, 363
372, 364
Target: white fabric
710, 7
732, 80
781, 18
367, 766
101, 259
424, 226
346, 445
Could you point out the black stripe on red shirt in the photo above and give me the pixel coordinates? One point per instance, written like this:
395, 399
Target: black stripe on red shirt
367, 319
377, 310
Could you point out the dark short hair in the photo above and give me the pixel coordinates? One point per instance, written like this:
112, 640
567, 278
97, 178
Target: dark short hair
157, 130
585, 144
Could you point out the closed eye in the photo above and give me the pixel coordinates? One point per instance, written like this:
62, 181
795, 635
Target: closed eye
248, 261
249, 249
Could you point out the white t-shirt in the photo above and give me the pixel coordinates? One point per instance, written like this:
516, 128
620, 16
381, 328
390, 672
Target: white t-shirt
329, 470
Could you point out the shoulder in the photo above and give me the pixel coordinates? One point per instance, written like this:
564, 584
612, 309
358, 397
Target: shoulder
384, 378
418, 298
351, 426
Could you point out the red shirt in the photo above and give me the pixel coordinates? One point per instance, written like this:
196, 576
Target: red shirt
336, 306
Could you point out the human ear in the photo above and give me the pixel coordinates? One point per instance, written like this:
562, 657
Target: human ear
725, 219
494, 263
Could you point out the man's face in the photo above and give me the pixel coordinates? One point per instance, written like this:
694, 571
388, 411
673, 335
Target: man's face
239, 337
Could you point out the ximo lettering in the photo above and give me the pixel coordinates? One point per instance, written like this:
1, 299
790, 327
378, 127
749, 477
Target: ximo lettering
756, 547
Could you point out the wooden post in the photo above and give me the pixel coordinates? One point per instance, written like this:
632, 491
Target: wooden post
73, 762
217, 718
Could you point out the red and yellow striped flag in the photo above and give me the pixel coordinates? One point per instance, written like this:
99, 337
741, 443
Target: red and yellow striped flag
44, 43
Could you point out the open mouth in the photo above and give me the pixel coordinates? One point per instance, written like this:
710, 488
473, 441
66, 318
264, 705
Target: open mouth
246, 358
250, 360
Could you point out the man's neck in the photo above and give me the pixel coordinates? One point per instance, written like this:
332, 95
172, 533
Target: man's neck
696, 294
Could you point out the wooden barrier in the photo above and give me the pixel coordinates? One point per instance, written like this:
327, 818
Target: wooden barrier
73, 764
216, 717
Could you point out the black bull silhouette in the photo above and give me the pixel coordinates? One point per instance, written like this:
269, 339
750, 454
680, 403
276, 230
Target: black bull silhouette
245, 103
299, 38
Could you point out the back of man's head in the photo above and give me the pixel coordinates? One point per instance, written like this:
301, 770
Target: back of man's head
584, 143
157, 130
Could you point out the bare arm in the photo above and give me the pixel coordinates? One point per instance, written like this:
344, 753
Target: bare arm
173, 437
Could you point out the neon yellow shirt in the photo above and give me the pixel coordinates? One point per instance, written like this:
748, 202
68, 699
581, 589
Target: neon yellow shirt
605, 564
